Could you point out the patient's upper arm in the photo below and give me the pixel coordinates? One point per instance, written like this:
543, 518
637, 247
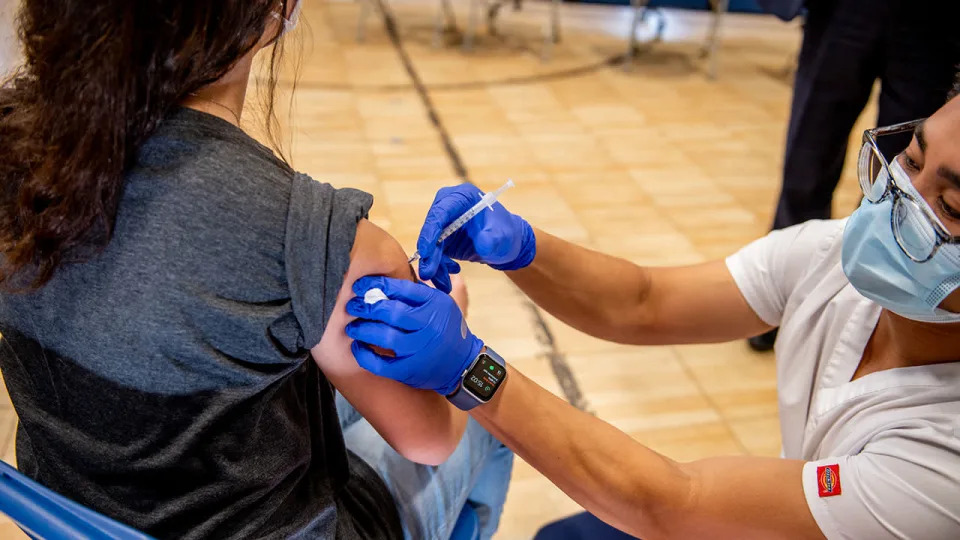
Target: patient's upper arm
374, 253
420, 425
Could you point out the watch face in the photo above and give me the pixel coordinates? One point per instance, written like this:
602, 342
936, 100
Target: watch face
484, 379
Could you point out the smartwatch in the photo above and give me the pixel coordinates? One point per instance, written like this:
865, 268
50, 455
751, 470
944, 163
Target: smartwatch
480, 381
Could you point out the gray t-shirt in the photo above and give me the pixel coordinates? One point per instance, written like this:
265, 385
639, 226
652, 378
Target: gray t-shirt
167, 381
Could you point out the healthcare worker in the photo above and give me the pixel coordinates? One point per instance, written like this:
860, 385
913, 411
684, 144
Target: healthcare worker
867, 358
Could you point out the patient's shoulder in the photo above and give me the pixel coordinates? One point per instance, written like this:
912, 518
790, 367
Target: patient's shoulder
375, 252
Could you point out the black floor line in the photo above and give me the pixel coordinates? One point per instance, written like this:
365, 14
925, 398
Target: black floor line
390, 24
558, 361
570, 73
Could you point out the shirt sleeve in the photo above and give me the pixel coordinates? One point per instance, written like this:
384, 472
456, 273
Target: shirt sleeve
768, 270
906, 489
321, 227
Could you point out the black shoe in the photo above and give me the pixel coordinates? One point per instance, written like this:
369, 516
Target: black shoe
763, 342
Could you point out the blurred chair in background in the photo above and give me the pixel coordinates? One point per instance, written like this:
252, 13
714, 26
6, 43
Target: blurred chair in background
445, 21
643, 9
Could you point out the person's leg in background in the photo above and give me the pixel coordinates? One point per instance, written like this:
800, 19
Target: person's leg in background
921, 58
838, 64
839, 61
430, 498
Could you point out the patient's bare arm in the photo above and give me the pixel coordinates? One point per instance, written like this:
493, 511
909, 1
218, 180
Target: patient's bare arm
420, 425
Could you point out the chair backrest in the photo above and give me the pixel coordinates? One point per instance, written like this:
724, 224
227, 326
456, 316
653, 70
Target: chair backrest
467, 526
42, 513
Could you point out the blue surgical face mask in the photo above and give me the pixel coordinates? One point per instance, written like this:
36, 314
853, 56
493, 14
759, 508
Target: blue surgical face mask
879, 269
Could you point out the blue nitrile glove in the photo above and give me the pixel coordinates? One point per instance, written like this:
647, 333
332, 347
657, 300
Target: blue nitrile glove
421, 325
495, 237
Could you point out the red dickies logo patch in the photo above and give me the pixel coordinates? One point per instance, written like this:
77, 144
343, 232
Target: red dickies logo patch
828, 480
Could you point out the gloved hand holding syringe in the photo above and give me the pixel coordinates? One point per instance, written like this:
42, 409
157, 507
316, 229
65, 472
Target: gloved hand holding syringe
486, 202
499, 239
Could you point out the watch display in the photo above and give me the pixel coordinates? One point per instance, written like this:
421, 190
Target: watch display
484, 378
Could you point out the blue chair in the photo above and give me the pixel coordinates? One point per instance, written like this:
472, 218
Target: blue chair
467, 526
583, 526
44, 514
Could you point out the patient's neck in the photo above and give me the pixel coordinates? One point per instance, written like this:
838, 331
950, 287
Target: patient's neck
224, 98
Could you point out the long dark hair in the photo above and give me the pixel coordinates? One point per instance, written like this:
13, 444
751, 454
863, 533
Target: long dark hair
99, 77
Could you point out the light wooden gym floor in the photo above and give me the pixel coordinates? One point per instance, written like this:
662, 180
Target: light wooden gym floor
656, 164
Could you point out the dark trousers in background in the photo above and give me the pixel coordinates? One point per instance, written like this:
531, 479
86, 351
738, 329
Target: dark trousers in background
912, 46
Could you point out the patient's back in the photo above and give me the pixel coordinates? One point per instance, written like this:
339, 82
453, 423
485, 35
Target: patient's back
166, 382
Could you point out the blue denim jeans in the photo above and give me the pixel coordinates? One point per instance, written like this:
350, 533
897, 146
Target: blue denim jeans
430, 498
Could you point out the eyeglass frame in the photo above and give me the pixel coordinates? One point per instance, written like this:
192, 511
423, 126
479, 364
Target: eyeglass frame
891, 189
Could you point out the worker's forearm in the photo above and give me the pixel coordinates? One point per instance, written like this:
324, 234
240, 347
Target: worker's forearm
595, 293
600, 467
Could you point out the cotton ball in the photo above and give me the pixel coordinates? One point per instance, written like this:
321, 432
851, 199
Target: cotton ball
373, 296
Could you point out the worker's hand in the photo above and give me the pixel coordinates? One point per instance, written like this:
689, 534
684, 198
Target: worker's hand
495, 236
421, 325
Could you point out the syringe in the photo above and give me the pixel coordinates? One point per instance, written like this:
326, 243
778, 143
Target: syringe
485, 202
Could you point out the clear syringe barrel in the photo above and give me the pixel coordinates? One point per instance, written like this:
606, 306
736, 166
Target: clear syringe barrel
485, 202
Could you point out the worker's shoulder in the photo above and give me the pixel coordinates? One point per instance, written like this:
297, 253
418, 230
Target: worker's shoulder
813, 236
912, 414
920, 449
905, 479
805, 253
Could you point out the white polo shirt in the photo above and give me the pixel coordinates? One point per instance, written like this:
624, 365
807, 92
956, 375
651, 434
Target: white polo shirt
883, 451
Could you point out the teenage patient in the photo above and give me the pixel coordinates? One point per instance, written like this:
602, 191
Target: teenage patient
173, 307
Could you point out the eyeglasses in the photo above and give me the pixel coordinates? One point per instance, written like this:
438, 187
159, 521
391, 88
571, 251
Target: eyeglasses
918, 230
